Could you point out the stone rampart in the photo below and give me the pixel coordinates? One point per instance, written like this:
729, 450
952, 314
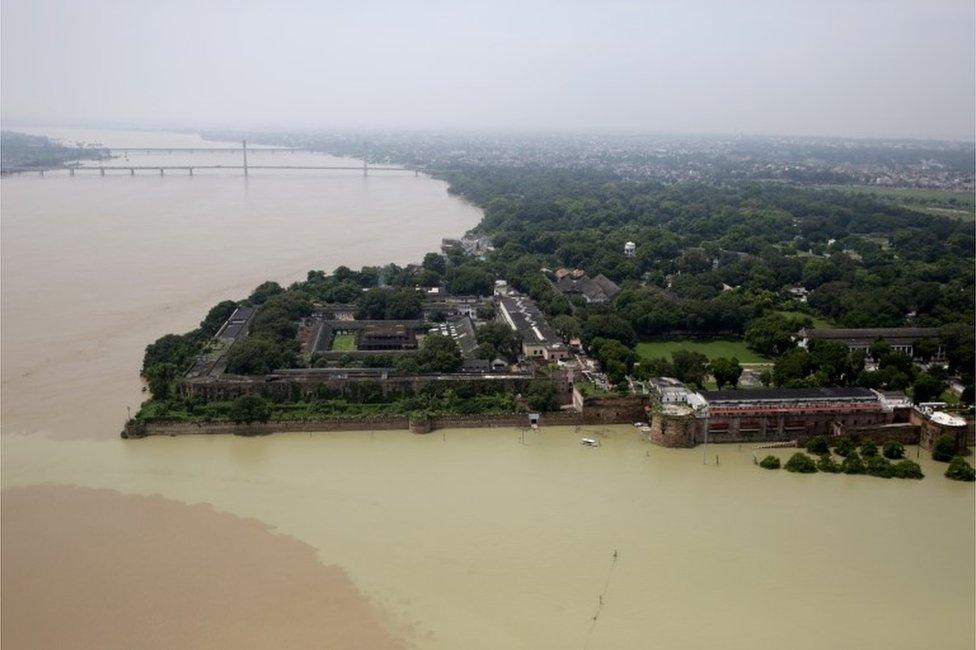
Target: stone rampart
595, 411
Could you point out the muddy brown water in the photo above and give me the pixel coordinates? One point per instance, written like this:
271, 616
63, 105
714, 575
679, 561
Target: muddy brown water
457, 539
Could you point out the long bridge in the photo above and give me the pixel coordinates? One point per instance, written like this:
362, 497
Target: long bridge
148, 150
189, 169
162, 169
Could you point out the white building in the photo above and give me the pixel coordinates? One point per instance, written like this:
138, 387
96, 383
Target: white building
630, 249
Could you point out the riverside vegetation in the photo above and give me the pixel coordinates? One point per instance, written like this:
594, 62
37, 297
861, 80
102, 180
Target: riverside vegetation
864, 459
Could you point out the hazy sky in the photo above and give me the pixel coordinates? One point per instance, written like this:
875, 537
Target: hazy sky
806, 67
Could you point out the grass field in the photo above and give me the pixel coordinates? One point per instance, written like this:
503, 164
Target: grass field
817, 321
344, 342
944, 203
710, 348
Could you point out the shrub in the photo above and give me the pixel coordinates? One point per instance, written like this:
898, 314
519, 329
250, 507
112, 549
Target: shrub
960, 470
844, 447
250, 408
818, 445
828, 464
852, 464
944, 448
907, 469
800, 462
894, 450
769, 462
878, 466
869, 449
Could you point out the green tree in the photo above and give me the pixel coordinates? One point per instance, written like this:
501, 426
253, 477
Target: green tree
161, 378
690, 367
264, 291
250, 408
372, 304
178, 349
894, 450
726, 371
405, 304
257, 355
878, 466
496, 339
471, 279
832, 361
541, 395
907, 469
869, 449
567, 326
944, 448
438, 354
844, 446
485, 311
216, 317
800, 462
879, 349
609, 327
960, 470
792, 368
770, 462
927, 388
818, 445
773, 334
827, 464
852, 464
435, 263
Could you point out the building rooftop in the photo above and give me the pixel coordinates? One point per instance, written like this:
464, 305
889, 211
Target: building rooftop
788, 394
237, 323
525, 318
871, 334
598, 289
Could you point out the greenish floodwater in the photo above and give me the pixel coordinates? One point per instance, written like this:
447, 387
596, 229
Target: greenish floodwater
486, 542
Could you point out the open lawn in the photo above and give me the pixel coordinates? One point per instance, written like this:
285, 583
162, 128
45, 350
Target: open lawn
944, 203
344, 342
817, 320
710, 348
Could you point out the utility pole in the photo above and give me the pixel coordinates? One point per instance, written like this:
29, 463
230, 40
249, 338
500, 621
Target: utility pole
705, 446
244, 142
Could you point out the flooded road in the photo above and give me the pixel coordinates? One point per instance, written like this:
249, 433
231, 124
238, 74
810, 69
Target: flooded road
457, 539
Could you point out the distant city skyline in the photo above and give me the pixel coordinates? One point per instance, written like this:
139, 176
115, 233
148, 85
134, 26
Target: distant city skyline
887, 70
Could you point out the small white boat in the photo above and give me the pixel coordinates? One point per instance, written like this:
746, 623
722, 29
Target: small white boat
589, 442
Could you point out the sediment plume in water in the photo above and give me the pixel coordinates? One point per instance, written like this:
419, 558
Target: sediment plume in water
87, 568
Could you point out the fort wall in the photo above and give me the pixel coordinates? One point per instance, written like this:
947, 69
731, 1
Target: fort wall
615, 410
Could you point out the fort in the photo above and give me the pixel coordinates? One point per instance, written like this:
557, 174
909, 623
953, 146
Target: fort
681, 417
356, 360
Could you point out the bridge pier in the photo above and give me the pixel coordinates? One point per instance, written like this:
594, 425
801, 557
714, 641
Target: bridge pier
40, 172
101, 170
71, 171
160, 171
191, 171
132, 171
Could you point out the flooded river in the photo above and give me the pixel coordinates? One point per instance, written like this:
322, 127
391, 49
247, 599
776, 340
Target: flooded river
457, 539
